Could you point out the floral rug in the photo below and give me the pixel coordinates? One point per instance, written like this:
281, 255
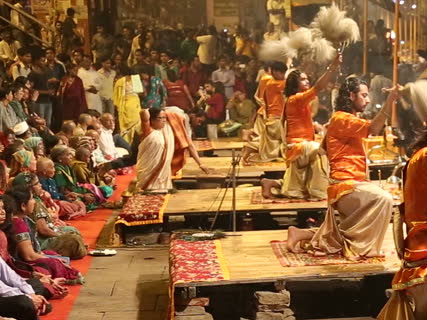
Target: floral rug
194, 261
143, 209
290, 259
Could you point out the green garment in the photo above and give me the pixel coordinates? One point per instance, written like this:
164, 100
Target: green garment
188, 49
65, 178
83, 173
19, 110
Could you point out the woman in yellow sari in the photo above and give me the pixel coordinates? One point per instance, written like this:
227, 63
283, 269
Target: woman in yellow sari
126, 100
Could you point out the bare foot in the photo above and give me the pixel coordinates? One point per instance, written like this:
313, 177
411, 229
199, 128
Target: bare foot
266, 185
296, 235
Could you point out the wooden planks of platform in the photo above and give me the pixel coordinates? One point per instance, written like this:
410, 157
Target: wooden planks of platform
221, 168
205, 201
250, 259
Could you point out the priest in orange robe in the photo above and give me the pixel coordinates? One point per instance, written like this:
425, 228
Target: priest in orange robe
410, 282
307, 172
364, 208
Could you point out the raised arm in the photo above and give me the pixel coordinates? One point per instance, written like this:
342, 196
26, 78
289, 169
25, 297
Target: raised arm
378, 122
323, 81
145, 122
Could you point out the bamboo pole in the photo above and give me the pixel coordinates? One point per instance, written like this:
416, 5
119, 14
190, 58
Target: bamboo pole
394, 122
365, 36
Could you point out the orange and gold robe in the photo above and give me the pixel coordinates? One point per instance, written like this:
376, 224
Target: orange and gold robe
415, 217
364, 208
260, 93
347, 158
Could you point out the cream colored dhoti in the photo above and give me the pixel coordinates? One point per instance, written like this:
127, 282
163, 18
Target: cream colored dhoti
307, 176
155, 153
269, 140
364, 216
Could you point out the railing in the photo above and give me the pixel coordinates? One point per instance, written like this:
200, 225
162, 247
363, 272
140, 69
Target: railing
28, 16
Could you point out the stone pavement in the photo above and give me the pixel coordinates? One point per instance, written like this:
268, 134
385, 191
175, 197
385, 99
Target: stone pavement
132, 285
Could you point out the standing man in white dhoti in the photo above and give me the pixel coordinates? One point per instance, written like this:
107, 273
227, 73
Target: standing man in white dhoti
161, 153
364, 208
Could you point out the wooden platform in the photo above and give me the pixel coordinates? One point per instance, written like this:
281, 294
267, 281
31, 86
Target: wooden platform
205, 201
227, 143
250, 259
221, 168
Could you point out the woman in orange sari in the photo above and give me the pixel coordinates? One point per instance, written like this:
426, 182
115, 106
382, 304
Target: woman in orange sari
410, 282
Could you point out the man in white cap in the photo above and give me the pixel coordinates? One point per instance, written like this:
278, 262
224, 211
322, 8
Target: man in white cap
22, 130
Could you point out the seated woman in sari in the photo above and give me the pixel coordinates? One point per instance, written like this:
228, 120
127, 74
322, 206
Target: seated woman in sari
27, 246
52, 287
66, 180
36, 145
161, 152
69, 207
22, 161
52, 233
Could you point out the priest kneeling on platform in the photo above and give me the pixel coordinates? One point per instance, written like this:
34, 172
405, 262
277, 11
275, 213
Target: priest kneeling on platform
364, 208
161, 153
308, 169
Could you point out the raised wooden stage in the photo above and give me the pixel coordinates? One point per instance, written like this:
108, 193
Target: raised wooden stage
249, 258
221, 168
205, 201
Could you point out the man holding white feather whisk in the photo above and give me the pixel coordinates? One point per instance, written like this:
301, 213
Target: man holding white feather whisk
308, 169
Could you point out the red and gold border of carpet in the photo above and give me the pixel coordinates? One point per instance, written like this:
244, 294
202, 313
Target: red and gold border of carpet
290, 259
143, 209
194, 261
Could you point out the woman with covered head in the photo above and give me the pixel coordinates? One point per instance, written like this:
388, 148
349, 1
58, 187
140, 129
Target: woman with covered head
65, 178
36, 145
27, 246
52, 233
22, 161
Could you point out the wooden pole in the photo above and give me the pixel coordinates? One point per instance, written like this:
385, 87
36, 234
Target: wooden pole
365, 36
394, 122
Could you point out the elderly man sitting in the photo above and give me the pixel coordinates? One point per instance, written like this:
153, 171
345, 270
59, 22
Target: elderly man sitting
112, 147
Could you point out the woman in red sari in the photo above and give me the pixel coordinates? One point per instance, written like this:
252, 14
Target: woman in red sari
178, 93
71, 95
27, 246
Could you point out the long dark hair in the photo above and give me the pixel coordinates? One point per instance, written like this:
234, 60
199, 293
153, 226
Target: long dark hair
292, 83
7, 227
21, 195
343, 101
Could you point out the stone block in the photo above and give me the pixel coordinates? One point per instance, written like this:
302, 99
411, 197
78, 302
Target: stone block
282, 298
181, 301
189, 310
288, 313
206, 316
273, 308
290, 318
269, 316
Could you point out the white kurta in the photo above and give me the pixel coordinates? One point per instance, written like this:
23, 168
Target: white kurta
150, 154
91, 78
